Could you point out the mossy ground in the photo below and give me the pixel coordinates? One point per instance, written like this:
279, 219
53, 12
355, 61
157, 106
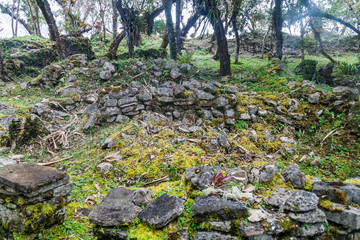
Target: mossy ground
150, 156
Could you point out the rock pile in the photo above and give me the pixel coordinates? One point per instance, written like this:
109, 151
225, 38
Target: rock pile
30, 202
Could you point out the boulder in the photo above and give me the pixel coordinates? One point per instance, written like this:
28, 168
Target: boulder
201, 176
338, 192
346, 216
213, 208
117, 209
162, 211
293, 175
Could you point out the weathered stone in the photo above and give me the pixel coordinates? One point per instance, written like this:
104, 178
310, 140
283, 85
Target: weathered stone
256, 215
201, 176
338, 191
245, 116
221, 102
213, 236
164, 91
315, 216
264, 174
223, 226
145, 97
314, 98
109, 67
230, 113
109, 142
351, 94
207, 115
90, 122
175, 73
230, 89
111, 102
21, 178
91, 108
105, 75
293, 175
307, 230
104, 167
238, 175
162, 211
268, 136
143, 196
126, 100
170, 64
6, 161
223, 141
6, 109
210, 207
203, 95
42, 110
347, 216
122, 119
253, 135
117, 209
251, 229
299, 201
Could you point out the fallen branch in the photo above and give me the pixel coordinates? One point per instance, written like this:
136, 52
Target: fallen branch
327, 135
163, 179
57, 161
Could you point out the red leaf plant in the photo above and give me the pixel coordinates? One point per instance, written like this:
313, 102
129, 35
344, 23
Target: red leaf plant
219, 180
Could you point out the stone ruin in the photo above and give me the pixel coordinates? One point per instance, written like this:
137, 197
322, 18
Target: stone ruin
32, 197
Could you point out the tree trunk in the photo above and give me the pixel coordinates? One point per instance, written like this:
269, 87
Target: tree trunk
235, 13
32, 17
177, 27
12, 18
17, 18
115, 45
37, 20
50, 20
7, 11
277, 24
165, 41
128, 19
114, 20
264, 41
170, 29
318, 38
302, 34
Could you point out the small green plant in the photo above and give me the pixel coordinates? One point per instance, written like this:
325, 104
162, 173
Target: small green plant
348, 68
186, 57
241, 124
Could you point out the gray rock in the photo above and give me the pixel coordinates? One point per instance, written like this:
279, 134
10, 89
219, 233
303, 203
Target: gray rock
223, 226
262, 113
207, 115
253, 135
213, 236
125, 101
299, 201
24, 86
104, 167
6, 161
293, 175
314, 98
334, 189
22, 178
245, 116
307, 230
203, 95
223, 141
145, 97
351, 94
230, 113
217, 113
109, 142
175, 73
170, 64
90, 122
238, 175
264, 174
252, 229
105, 75
208, 207
164, 91
231, 89
117, 209
185, 67
122, 119
162, 211
143, 197
111, 102
268, 136
42, 110
252, 110
347, 216
201, 176
91, 108
221, 102
109, 67
315, 216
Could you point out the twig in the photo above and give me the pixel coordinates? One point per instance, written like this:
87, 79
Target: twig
57, 161
328, 135
163, 179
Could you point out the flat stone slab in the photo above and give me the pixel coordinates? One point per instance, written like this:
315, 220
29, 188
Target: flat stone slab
316, 216
335, 189
347, 216
299, 201
163, 210
211, 207
28, 178
213, 236
116, 209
